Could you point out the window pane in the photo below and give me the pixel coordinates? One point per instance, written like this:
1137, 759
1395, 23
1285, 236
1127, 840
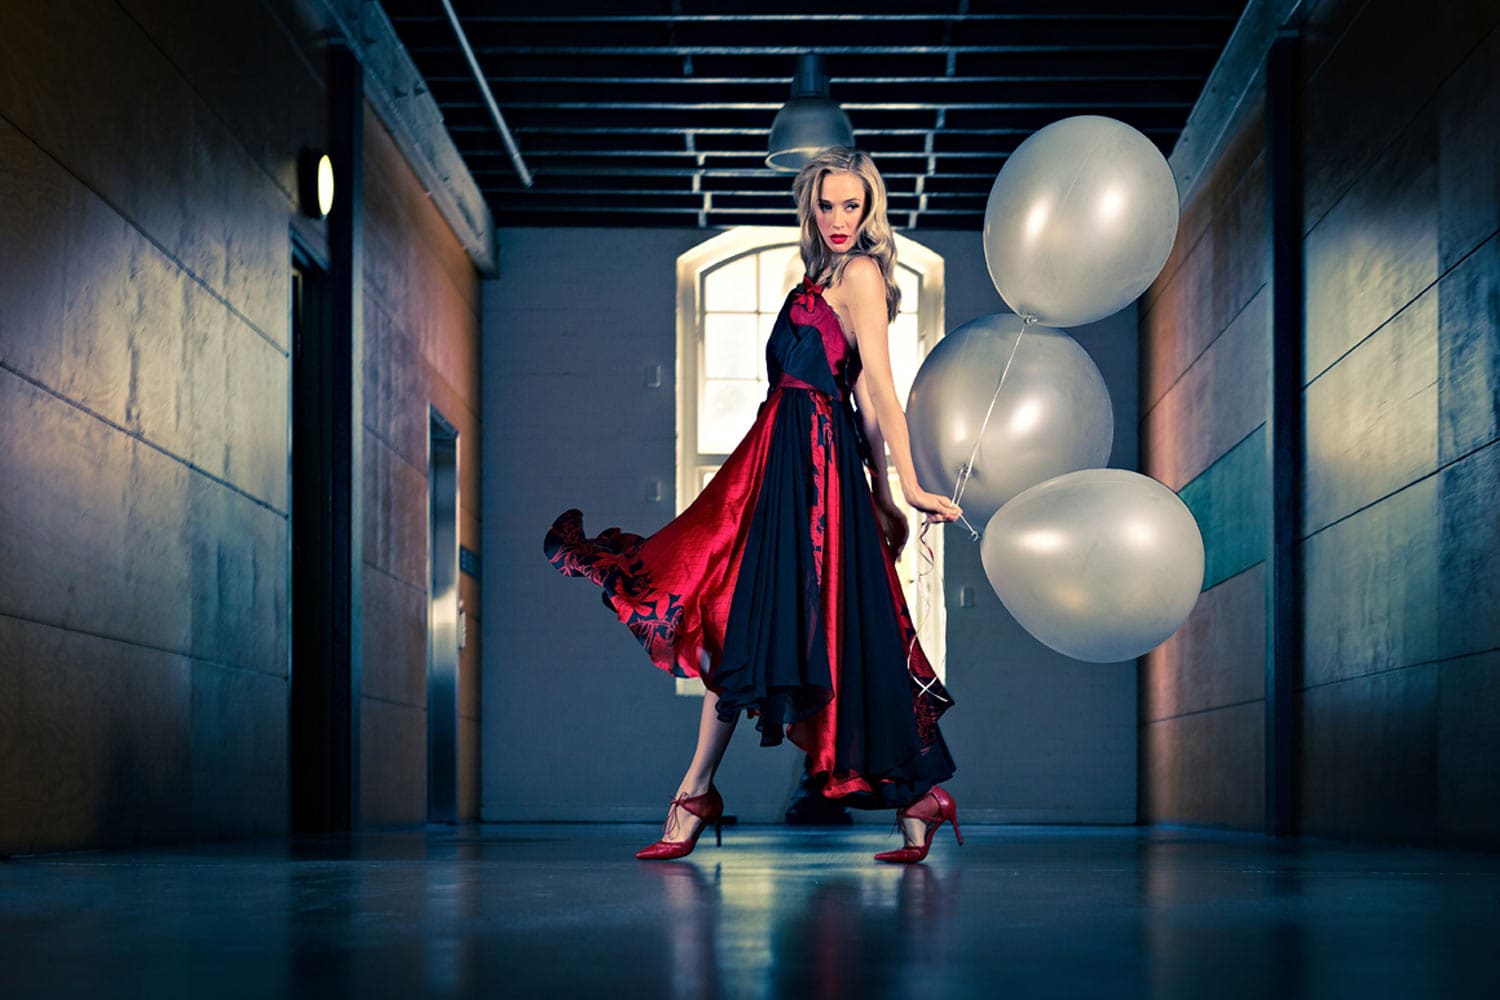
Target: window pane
726, 412
705, 473
733, 346
905, 358
780, 269
731, 287
910, 286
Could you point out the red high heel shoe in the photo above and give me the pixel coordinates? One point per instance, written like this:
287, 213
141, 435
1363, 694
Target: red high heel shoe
708, 807
945, 809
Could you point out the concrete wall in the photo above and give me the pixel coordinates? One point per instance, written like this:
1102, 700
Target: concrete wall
1204, 328
579, 725
1402, 225
147, 177
421, 352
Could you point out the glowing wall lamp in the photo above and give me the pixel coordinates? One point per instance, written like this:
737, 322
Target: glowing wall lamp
315, 183
810, 122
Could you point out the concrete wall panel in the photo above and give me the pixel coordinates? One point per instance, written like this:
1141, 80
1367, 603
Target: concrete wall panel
103, 754
395, 538
1402, 592
238, 580
394, 640
1369, 750
1371, 420
240, 780
1468, 555
421, 351
1228, 500
97, 545
393, 772
1371, 585
1216, 658
1469, 353
1469, 152
1207, 283
86, 84
1230, 379
1376, 249
1382, 67
1468, 806
121, 330
1206, 767
274, 46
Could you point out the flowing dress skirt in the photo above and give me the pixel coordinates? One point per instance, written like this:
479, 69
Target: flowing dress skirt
776, 587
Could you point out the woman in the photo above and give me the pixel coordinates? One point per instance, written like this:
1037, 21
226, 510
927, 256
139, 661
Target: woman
777, 585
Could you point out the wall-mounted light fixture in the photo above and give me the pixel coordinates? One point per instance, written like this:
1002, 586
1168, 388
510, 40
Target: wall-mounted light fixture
810, 122
315, 183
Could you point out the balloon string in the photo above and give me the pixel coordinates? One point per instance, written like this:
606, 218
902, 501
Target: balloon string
927, 563
968, 466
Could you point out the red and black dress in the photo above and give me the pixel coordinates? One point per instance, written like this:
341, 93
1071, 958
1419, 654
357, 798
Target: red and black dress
777, 588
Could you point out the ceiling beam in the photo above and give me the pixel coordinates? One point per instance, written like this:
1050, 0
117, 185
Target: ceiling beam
781, 81
589, 18
731, 130
846, 105
833, 50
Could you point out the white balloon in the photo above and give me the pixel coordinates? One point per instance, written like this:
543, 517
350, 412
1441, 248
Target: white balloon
1080, 221
1053, 414
1100, 565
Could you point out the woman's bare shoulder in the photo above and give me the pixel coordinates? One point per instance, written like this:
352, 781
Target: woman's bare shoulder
864, 272
862, 281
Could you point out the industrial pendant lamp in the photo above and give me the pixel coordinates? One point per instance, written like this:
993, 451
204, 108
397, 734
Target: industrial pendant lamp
810, 122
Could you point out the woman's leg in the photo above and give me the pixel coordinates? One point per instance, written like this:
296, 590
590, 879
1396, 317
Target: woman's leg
713, 738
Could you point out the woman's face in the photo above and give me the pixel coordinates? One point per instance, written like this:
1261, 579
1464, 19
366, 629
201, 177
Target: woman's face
840, 208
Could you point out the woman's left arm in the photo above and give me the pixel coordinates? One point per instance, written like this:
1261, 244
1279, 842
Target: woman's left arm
865, 293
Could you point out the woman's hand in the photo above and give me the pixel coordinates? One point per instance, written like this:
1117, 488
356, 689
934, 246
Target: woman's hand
936, 506
893, 524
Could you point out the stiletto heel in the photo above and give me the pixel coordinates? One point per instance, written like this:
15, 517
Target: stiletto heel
947, 810
709, 807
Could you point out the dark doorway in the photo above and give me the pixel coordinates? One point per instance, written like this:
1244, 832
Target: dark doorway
319, 758
444, 621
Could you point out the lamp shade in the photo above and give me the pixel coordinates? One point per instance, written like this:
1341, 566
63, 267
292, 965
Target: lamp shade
810, 122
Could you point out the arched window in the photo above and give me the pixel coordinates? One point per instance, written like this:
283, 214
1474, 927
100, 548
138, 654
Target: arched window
729, 290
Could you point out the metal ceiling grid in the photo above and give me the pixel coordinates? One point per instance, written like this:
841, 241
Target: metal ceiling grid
656, 112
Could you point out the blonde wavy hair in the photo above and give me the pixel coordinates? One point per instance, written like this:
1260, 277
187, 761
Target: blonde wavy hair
874, 239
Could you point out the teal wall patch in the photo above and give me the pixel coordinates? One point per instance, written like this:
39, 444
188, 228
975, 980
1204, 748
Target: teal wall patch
1230, 503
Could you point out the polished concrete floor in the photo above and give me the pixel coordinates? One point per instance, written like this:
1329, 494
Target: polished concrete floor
559, 911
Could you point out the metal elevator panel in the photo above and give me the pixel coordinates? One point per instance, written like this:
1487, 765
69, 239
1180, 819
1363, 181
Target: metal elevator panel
444, 622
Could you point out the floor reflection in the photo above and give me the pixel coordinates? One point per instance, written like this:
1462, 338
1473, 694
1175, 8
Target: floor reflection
758, 930
691, 902
565, 910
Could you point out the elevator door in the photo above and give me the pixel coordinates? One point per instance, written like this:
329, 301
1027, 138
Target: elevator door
444, 622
